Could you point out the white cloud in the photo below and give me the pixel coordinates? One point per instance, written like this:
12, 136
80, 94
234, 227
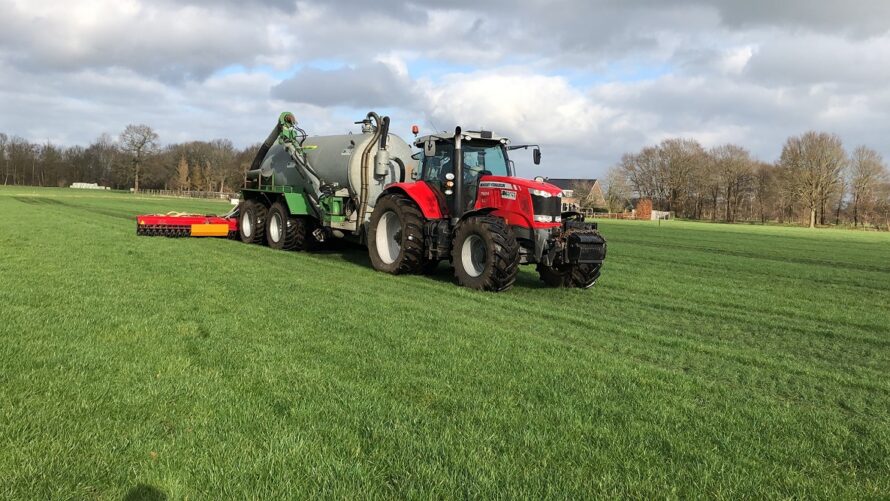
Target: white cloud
530, 106
587, 79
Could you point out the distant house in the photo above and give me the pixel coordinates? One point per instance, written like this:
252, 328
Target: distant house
579, 194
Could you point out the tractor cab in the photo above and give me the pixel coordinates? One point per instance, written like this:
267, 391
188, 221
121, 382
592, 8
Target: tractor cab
483, 153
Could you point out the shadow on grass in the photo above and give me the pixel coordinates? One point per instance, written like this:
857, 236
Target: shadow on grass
144, 492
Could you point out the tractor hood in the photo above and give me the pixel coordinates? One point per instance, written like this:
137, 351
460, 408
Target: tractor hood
524, 183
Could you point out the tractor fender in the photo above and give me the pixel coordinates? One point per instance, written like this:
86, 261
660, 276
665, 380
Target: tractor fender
478, 212
421, 194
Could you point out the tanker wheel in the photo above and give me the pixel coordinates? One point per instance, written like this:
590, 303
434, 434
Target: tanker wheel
282, 231
582, 276
252, 223
485, 254
395, 237
299, 236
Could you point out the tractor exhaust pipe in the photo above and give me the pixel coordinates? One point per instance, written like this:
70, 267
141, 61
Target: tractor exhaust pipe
460, 205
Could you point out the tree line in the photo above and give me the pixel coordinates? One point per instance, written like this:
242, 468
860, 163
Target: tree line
814, 182
132, 160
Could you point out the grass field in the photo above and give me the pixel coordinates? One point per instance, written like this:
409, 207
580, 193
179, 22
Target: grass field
710, 361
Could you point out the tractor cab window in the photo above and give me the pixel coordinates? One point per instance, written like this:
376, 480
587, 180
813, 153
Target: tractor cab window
480, 159
437, 166
484, 159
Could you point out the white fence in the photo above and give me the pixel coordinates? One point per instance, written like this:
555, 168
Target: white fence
191, 194
88, 186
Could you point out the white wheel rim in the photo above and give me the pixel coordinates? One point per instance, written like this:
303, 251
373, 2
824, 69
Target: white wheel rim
245, 224
275, 227
472, 255
388, 237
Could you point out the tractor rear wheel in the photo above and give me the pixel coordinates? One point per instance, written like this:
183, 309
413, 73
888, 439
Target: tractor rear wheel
252, 223
395, 236
582, 276
485, 254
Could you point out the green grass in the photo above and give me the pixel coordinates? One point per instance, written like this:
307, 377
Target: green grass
710, 361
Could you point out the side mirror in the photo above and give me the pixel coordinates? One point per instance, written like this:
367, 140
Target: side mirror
536, 155
429, 148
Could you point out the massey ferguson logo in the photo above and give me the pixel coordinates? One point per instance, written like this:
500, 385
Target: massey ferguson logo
495, 184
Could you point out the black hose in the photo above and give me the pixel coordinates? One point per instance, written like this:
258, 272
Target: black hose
384, 134
264, 148
363, 193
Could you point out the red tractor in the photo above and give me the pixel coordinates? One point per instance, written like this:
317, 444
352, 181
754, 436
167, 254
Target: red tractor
467, 206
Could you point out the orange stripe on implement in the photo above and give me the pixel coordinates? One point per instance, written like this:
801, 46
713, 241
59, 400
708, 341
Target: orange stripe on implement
210, 230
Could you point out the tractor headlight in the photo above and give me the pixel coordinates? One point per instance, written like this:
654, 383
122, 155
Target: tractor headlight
543, 219
540, 193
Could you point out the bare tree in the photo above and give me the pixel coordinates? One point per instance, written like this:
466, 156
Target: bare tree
735, 171
182, 174
815, 162
766, 189
140, 141
678, 161
882, 205
4, 156
224, 164
867, 171
618, 190
642, 171
104, 155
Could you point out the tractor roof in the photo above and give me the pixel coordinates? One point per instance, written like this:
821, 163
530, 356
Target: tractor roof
485, 135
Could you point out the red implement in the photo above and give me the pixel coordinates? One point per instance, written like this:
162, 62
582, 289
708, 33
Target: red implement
176, 224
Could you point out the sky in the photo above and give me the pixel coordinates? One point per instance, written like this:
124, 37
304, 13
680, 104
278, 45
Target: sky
588, 80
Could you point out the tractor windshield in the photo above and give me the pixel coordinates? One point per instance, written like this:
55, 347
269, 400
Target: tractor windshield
484, 159
479, 159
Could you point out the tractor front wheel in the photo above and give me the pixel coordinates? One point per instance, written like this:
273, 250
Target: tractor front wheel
582, 276
395, 236
485, 254
252, 223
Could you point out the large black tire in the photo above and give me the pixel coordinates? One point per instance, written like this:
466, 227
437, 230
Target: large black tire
395, 235
252, 222
582, 276
485, 254
284, 231
300, 237
276, 226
